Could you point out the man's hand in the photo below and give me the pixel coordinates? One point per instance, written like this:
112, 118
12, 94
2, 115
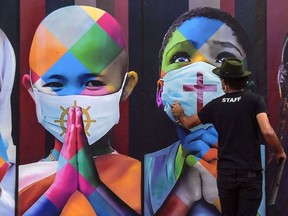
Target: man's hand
186, 121
177, 110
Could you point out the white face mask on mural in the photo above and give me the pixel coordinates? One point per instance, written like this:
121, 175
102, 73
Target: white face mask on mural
192, 86
100, 113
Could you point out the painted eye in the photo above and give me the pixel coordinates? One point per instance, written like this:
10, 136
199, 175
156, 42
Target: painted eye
53, 85
94, 83
180, 57
220, 57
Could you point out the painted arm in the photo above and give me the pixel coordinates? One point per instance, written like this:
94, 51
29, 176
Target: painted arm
270, 136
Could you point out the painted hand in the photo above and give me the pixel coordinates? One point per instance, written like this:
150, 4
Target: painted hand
66, 179
207, 174
199, 142
103, 201
201, 157
88, 177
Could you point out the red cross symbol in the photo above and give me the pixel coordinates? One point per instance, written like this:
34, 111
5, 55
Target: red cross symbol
200, 87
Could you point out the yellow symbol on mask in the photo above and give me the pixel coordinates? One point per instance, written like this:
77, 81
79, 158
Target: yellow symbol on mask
87, 122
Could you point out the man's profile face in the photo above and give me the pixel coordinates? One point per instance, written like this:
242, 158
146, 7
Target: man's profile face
200, 39
86, 57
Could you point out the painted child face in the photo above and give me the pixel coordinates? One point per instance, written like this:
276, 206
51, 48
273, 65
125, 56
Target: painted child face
82, 53
78, 52
195, 48
200, 39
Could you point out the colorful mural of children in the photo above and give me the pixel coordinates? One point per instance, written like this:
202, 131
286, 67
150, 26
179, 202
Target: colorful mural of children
7, 148
181, 179
78, 75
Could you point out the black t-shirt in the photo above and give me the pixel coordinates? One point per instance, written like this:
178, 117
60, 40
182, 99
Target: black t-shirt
234, 117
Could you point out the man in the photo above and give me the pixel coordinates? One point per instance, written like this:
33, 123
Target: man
239, 116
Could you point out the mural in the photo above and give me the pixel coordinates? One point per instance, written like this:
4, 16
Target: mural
7, 147
144, 133
78, 66
194, 45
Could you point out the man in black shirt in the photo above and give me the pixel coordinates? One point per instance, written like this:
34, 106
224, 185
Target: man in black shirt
239, 117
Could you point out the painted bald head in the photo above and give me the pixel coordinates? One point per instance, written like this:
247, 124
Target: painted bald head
78, 50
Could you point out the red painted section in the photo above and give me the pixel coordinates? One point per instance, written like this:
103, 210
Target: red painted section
32, 135
121, 131
228, 6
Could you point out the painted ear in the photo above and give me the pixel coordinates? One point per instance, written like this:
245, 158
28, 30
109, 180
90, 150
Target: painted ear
131, 81
159, 91
26, 81
27, 84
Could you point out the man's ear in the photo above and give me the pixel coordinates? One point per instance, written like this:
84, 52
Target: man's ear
131, 81
27, 84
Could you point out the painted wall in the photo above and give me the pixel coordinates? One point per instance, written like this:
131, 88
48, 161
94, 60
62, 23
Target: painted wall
143, 127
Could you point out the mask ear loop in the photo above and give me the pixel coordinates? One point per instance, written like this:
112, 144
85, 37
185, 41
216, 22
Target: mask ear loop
160, 84
32, 89
124, 81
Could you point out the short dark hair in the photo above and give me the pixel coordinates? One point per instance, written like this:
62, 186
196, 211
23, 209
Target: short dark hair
212, 13
236, 83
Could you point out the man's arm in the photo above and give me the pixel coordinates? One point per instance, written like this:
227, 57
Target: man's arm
186, 121
270, 135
